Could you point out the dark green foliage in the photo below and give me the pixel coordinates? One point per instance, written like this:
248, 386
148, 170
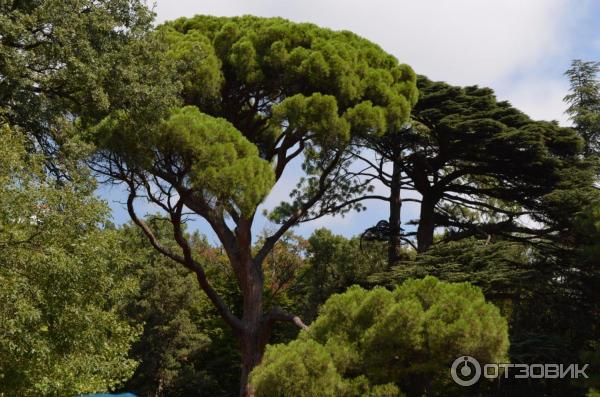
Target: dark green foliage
407, 337
487, 151
592, 356
334, 263
481, 166
548, 296
555, 318
64, 282
501, 269
185, 349
56, 57
552, 322
584, 102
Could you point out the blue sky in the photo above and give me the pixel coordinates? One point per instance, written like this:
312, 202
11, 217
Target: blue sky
520, 48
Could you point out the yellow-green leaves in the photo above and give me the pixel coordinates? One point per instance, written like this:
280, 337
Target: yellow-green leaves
392, 338
249, 85
308, 369
223, 164
267, 61
316, 114
367, 119
198, 67
418, 328
243, 59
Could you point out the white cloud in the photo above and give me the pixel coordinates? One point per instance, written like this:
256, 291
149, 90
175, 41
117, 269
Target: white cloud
542, 98
460, 41
484, 42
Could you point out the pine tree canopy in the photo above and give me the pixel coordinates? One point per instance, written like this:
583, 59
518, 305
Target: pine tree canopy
584, 102
481, 167
237, 100
403, 339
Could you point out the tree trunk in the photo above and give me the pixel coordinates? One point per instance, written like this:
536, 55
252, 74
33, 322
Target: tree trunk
253, 338
252, 351
426, 223
395, 237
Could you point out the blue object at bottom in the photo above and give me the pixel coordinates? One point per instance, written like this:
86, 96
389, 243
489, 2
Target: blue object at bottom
110, 395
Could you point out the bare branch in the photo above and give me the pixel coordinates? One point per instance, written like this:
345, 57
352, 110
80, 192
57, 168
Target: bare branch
333, 209
221, 307
146, 229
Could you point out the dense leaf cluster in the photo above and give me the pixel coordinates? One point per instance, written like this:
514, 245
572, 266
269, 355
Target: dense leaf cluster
63, 283
404, 338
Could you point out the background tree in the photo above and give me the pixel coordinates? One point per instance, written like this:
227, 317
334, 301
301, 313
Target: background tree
554, 320
405, 339
502, 269
55, 57
476, 167
185, 348
332, 264
63, 281
280, 90
546, 292
584, 102
282, 267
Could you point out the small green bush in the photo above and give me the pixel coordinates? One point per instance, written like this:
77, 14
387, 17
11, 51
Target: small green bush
379, 342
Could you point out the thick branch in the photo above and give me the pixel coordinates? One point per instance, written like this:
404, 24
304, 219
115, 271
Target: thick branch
232, 320
186, 260
278, 314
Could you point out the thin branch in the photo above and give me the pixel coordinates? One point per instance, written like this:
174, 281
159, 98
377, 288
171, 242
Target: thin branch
331, 210
146, 229
300, 212
473, 204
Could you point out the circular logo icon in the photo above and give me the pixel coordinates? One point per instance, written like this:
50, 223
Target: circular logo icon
465, 371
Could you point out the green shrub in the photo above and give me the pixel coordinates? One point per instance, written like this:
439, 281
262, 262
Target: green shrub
378, 342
